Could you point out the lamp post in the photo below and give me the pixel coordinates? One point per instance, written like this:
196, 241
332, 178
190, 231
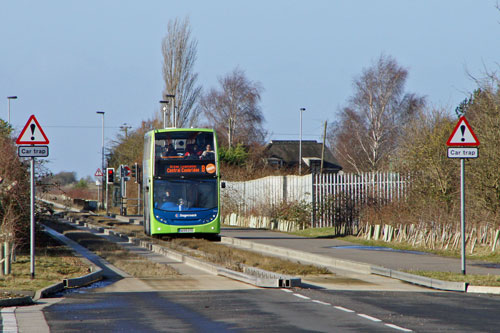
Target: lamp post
103, 178
9, 98
300, 142
174, 122
164, 112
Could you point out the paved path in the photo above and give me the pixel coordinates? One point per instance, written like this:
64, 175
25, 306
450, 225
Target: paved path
339, 249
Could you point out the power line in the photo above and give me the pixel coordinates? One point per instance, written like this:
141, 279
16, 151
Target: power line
78, 126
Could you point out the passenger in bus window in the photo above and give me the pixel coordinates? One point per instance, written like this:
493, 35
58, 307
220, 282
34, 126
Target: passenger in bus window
208, 153
193, 152
169, 151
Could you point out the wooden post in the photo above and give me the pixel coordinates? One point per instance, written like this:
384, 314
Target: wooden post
2, 261
495, 240
7, 258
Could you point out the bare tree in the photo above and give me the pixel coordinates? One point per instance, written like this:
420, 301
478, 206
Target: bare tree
234, 110
14, 195
179, 56
370, 126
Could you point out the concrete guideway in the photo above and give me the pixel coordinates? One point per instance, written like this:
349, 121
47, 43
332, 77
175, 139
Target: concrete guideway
256, 277
349, 275
337, 254
344, 259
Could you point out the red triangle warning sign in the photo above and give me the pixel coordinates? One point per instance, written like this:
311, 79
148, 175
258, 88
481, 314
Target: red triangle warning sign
32, 134
463, 135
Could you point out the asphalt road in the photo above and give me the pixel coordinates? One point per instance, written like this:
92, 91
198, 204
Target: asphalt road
271, 310
199, 302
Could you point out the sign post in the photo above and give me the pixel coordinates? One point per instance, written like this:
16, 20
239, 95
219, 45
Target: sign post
32, 134
98, 174
462, 135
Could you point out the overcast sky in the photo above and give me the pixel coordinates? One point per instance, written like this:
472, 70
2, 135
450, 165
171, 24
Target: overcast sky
65, 60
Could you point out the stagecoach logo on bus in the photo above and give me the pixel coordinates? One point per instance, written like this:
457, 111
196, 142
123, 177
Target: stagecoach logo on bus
186, 215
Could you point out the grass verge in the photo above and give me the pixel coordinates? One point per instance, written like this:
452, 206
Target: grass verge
472, 279
116, 255
54, 262
483, 254
234, 259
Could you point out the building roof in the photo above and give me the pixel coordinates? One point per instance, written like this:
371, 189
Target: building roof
288, 152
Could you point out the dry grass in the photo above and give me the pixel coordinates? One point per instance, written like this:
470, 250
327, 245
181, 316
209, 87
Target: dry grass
52, 265
472, 279
481, 252
235, 258
125, 260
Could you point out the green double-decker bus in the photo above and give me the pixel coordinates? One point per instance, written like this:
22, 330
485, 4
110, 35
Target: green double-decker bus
181, 182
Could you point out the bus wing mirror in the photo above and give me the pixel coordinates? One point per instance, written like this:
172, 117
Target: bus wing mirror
223, 185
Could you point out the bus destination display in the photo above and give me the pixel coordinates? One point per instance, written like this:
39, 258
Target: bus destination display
190, 169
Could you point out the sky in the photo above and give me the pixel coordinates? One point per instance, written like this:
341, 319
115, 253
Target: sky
65, 60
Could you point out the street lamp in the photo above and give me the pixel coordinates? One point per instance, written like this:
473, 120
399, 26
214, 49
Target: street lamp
9, 98
300, 142
165, 110
102, 161
164, 113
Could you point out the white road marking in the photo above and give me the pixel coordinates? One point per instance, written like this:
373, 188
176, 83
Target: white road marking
9, 322
398, 328
287, 290
338, 307
301, 296
343, 309
369, 317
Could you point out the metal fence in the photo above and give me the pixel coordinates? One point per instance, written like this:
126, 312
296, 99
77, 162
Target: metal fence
335, 199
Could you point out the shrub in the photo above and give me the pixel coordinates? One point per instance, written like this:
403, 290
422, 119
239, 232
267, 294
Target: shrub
233, 155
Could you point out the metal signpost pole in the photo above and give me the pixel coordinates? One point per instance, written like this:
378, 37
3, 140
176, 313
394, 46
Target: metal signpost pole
32, 134
32, 218
462, 209
138, 188
107, 186
124, 195
462, 144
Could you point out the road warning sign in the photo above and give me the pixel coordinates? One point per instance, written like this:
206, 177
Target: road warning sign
463, 135
32, 134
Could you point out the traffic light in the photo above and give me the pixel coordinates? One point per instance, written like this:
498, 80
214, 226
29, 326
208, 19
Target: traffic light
110, 172
134, 170
138, 179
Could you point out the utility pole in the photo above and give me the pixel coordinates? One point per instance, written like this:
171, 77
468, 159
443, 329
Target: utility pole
104, 175
9, 98
125, 128
323, 149
300, 142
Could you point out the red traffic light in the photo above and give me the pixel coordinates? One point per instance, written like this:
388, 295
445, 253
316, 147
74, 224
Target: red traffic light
111, 175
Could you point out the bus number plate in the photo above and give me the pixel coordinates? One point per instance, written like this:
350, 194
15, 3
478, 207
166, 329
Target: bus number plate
184, 231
